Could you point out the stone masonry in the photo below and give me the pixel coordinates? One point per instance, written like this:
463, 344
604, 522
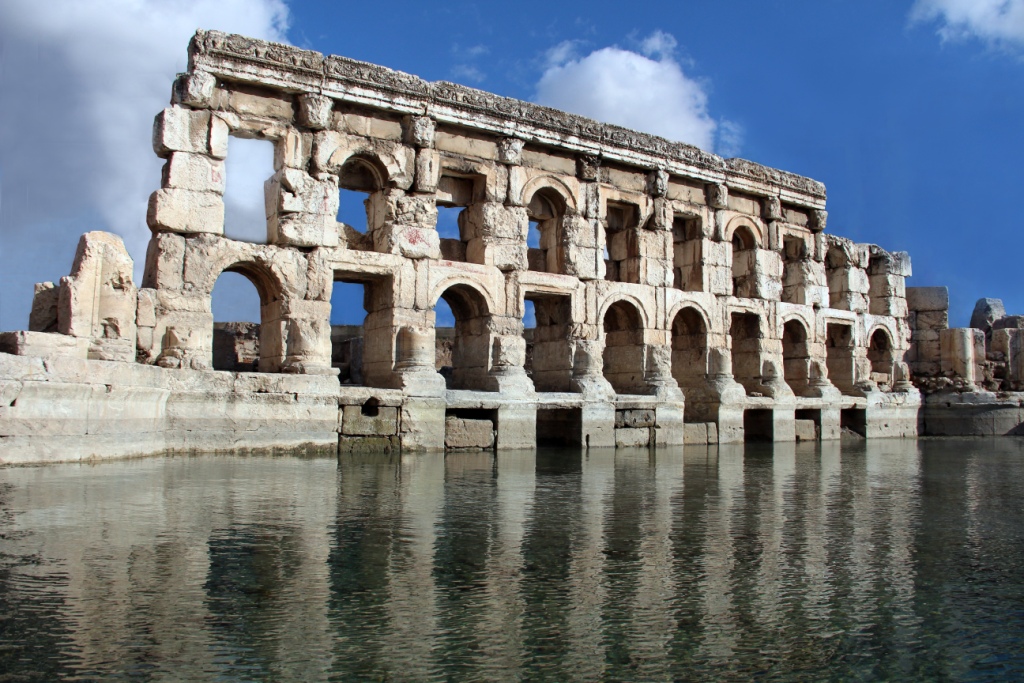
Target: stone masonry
670, 285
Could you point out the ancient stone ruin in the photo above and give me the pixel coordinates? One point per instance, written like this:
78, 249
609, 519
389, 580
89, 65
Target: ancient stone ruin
678, 296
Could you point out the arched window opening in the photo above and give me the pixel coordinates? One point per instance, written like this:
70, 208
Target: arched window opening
622, 257
348, 315
689, 349
543, 241
746, 350
454, 194
249, 163
796, 357
880, 353
358, 181
688, 267
468, 354
839, 357
548, 353
237, 310
744, 246
624, 348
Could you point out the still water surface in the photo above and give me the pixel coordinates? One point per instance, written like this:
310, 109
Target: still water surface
891, 560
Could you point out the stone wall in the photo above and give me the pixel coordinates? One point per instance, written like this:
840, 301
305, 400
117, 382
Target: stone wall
668, 283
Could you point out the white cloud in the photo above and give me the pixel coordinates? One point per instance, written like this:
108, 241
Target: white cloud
999, 22
647, 92
80, 83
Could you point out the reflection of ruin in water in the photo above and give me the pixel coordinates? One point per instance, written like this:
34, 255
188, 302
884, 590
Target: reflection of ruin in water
795, 558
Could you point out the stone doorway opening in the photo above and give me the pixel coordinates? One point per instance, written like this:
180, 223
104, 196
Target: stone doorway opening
624, 348
468, 365
548, 349
796, 357
689, 349
746, 350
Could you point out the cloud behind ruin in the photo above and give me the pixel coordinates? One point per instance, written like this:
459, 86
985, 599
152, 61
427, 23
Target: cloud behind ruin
646, 91
80, 83
997, 22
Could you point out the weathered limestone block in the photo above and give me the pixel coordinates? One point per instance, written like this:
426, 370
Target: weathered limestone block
377, 421
510, 151
466, 433
45, 303
98, 299
302, 209
186, 211
177, 129
420, 130
428, 170
986, 312
46, 345
194, 89
632, 437
405, 224
293, 150
165, 261
805, 282
331, 150
927, 298
315, 110
963, 351
196, 172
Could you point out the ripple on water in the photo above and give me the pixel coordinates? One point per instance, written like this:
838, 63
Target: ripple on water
878, 561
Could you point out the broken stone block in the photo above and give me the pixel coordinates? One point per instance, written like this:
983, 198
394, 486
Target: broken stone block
98, 299
43, 317
986, 312
185, 211
194, 89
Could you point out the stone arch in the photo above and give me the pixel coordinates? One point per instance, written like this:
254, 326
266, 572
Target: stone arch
267, 342
623, 332
741, 223
604, 307
437, 291
796, 355
471, 346
746, 239
689, 347
553, 184
546, 210
881, 353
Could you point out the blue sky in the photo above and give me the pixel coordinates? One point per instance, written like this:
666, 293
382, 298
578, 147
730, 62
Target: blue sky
909, 112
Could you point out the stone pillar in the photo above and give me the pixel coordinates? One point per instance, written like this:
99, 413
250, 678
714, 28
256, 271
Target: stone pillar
928, 316
499, 235
845, 264
191, 198
887, 273
588, 369
415, 365
508, 356
963, 351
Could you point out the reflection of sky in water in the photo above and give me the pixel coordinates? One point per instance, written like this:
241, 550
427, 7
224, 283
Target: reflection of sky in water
894, 560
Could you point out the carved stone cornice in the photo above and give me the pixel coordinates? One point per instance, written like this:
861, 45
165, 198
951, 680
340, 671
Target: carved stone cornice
239, 58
